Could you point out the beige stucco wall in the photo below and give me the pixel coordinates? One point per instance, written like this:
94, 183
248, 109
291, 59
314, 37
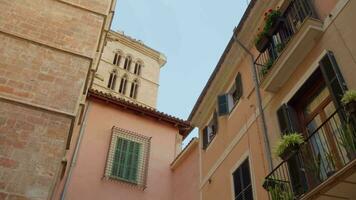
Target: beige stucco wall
239, 135
149, 78
337, 37
47, 48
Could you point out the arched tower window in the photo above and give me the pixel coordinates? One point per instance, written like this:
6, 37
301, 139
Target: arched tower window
123, 84
112, 80
138, 67
117, 58
127, 64
134, 89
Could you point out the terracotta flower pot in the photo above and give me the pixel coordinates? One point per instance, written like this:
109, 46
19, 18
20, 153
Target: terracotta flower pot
351, 107
276, 24
289, 151
262, 44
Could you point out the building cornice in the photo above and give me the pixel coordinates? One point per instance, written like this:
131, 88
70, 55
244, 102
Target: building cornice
232, 56
137, 45
183, 125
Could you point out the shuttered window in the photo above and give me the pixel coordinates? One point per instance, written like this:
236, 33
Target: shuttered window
238, 89
287, 119
223, 104
242, 182
126, 159
210, 131
227, 102
333, 77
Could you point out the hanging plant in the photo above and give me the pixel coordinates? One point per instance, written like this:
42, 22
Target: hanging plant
271, 24
261, 41
349, 101
288, 145
272, 21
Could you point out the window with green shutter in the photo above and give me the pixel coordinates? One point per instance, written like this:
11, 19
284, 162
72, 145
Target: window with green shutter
128, 157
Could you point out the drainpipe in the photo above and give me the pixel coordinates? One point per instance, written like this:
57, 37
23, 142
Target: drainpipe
259, 103
75, 154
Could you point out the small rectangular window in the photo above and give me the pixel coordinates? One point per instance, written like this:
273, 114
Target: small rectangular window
210, 131
242, 182
227, 102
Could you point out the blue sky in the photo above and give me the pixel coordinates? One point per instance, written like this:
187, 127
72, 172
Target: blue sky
191, 33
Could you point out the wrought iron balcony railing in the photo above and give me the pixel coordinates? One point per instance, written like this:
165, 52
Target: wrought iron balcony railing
328, 149
287, 25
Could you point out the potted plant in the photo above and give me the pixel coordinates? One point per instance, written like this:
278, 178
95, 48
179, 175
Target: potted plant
279, 190
349, 101
261, 41
273, 21
289, 144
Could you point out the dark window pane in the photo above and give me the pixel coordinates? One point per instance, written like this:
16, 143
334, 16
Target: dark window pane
328, 68
248, 193
242, 182
237, 182
246, 174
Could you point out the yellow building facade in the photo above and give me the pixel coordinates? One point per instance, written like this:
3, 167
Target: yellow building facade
259, 93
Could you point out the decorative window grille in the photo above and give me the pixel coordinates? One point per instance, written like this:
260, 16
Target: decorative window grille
128, 157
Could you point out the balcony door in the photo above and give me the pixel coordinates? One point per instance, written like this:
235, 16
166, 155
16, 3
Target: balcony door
316, 112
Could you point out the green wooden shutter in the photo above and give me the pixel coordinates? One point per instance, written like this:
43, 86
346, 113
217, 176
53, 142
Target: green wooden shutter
126, 160
135, 162
215, 124
223, 104
333, 77
238, 85
205, 138
287, 119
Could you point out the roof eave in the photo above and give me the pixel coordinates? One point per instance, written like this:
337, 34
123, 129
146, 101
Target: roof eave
221, 60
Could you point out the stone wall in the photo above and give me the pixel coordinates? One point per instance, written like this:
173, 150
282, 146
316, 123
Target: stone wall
47, 48
31, 147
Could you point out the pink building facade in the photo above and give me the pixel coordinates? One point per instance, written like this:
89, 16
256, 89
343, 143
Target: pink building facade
129, 152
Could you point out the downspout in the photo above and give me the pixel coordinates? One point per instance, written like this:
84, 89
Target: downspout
75, 154
259, 103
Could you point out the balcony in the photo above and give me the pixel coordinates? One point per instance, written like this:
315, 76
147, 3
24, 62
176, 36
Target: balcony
324, 166
295, 34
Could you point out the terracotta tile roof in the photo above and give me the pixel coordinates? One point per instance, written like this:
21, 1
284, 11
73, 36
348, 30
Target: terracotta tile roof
183, 125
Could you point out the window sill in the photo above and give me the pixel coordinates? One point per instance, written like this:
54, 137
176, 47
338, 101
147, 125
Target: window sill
123, 181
